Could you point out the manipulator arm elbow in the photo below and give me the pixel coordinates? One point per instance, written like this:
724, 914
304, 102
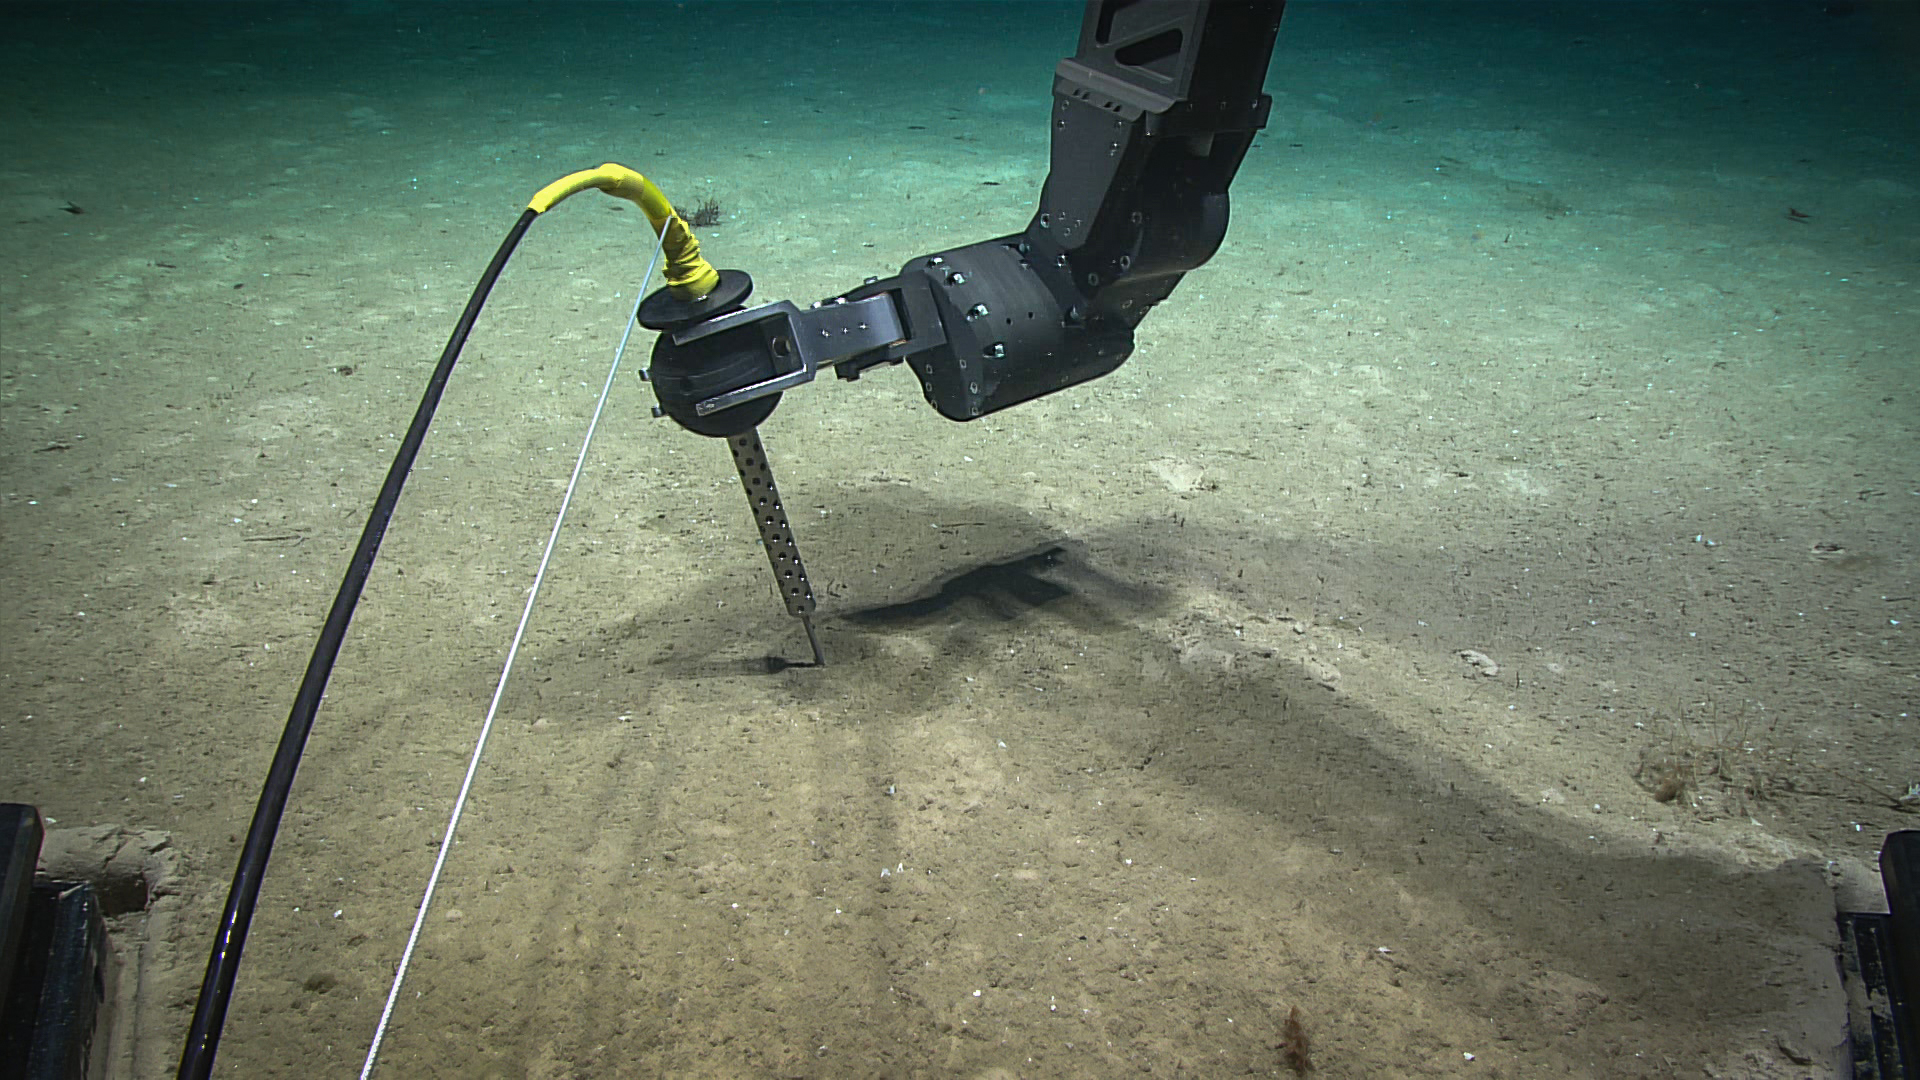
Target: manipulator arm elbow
988, 325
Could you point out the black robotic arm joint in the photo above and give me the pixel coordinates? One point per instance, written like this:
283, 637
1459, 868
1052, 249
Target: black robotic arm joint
1013, 330
1151, 119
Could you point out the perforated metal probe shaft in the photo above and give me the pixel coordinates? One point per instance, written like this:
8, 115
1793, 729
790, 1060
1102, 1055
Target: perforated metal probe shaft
776, 535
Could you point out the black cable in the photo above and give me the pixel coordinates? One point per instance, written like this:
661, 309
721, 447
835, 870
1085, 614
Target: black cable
210, 1014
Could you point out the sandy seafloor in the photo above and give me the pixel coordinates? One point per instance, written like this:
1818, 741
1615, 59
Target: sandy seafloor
1517, 345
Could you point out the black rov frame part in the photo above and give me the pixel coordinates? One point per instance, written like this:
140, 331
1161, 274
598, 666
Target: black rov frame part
1880, 964
58, 976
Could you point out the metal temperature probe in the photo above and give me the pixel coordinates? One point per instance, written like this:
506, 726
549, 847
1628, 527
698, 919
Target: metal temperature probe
756, 477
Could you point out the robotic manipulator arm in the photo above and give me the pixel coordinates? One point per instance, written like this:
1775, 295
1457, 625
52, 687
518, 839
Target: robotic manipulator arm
1151, 117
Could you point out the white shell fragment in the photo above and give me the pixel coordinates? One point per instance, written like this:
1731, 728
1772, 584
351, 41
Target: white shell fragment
1480, 661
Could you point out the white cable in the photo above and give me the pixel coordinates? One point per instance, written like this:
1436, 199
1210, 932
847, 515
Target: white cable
500, 688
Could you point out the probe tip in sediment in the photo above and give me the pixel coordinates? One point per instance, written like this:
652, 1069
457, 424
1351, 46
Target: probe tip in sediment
813, 639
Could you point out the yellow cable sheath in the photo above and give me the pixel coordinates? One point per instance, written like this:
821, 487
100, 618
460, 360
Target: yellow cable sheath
690, 276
